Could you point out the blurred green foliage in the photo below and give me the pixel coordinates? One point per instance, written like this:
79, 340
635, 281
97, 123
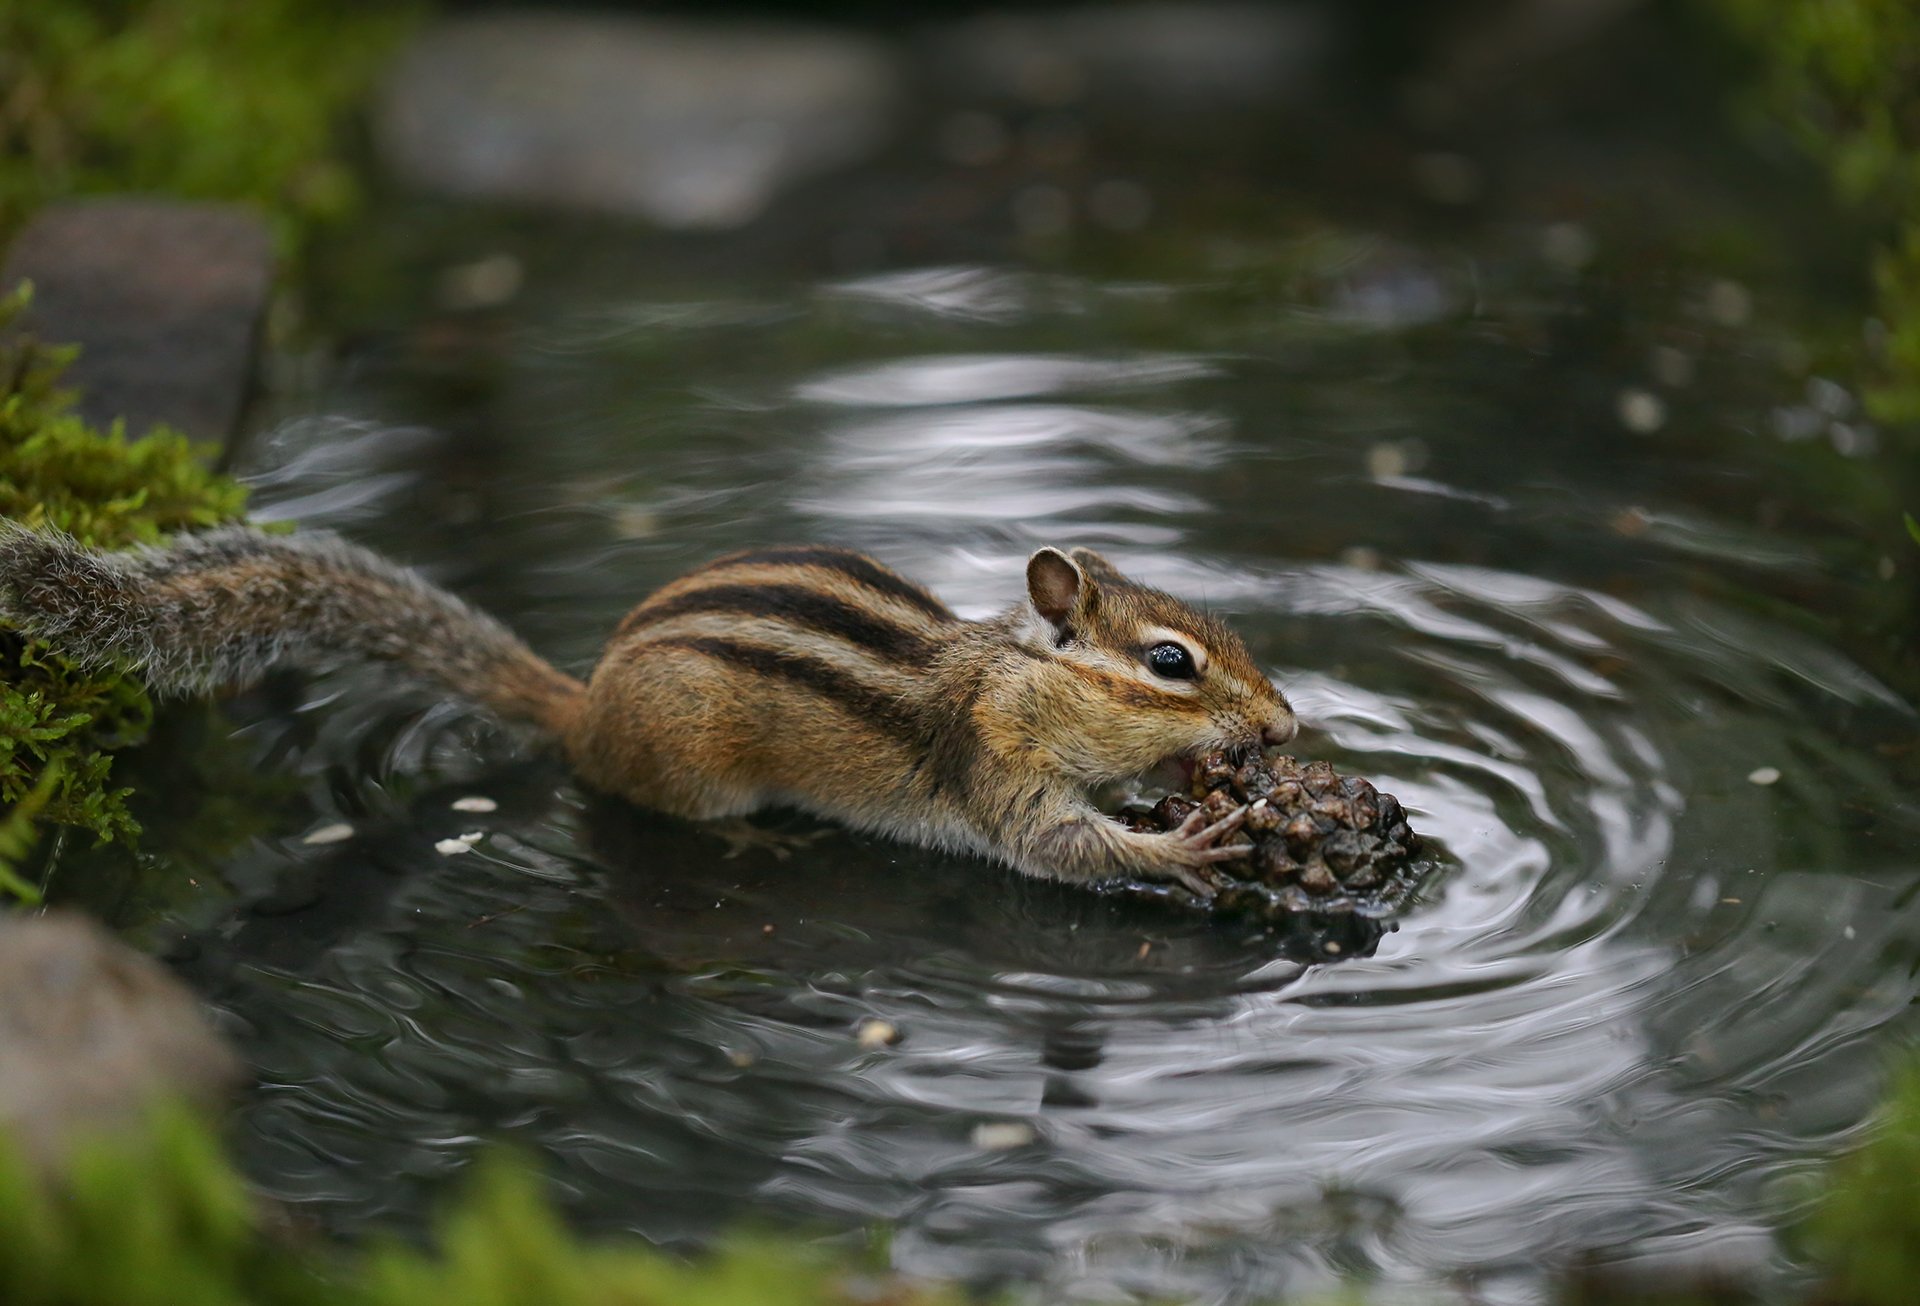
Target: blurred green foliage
205, 99
163, 1219
1866, 1233
1844, 78
59, 723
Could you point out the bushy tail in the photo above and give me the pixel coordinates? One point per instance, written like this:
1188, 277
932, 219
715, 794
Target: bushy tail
222, 607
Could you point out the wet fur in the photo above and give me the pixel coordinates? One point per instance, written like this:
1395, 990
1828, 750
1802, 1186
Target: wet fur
807, 676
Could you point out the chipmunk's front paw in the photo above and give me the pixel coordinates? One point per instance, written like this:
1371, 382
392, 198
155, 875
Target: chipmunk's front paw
1196, 846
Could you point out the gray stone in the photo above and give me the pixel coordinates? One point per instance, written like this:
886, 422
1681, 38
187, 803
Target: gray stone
1150, 58
680, 123
164, 298
93, 1035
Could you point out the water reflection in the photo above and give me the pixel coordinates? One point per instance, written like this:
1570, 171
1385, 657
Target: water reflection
1644, 990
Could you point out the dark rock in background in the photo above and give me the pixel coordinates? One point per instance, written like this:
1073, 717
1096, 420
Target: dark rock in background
686, 125
1148, 58
165, 299
94, 1035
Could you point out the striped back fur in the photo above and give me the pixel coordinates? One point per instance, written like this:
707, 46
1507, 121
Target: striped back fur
847, 687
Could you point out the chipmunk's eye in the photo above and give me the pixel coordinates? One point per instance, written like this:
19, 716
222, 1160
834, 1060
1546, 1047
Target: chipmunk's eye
1172, 661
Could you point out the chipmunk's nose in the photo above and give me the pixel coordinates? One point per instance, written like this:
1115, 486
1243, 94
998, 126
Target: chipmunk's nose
1280, 729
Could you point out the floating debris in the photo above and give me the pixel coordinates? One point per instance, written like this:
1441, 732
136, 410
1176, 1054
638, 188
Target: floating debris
877, 1034
1765, 775
1641, 411
1002, 1136
475, 803
336, 832
459, 844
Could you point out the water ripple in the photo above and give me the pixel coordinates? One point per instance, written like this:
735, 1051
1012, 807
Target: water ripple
1642, 989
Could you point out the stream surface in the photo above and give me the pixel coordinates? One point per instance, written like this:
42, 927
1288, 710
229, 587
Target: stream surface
1652, 986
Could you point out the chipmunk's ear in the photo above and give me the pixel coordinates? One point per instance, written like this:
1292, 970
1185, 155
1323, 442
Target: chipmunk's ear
1095, 566
1055, 584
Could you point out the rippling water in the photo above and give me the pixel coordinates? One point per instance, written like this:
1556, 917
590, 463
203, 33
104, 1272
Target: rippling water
1646, 993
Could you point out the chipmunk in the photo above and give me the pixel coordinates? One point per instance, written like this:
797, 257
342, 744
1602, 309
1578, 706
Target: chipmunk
809, 677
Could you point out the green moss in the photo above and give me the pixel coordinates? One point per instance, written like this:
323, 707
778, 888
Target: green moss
204, 99
1843, 77
163, 1218
59, 723
1866, 1233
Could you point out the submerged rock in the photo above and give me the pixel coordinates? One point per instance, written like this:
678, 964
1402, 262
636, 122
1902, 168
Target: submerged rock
94, 1035
684, 124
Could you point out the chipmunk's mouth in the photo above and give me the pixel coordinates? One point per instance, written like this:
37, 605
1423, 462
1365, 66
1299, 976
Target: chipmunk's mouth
1180, 770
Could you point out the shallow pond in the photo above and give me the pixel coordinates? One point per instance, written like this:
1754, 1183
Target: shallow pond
1499, 500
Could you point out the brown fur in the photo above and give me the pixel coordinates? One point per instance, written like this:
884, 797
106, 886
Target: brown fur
806, 676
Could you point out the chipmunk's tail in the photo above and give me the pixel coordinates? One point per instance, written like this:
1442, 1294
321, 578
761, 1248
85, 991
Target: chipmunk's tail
222, 607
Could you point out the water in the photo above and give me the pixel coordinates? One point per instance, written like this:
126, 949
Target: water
1618, 675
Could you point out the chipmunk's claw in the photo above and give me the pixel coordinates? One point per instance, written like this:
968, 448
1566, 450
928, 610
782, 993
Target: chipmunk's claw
1199, 847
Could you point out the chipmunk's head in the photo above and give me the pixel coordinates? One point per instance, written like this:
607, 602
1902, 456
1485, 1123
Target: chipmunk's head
1136, 677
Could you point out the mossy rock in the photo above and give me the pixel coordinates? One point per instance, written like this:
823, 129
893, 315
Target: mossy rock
60, 723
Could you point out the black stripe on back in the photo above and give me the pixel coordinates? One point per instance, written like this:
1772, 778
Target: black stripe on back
854, 566
822, 678
798, 605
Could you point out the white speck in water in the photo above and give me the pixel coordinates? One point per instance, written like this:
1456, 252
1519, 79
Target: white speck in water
877, 1034
1002, 1136
1387, 460
475, 803
1848, 931
452, 847
1641, 411
1729, 303
1568, 245
1391, 458
334, 833
1766, 775
635, 523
